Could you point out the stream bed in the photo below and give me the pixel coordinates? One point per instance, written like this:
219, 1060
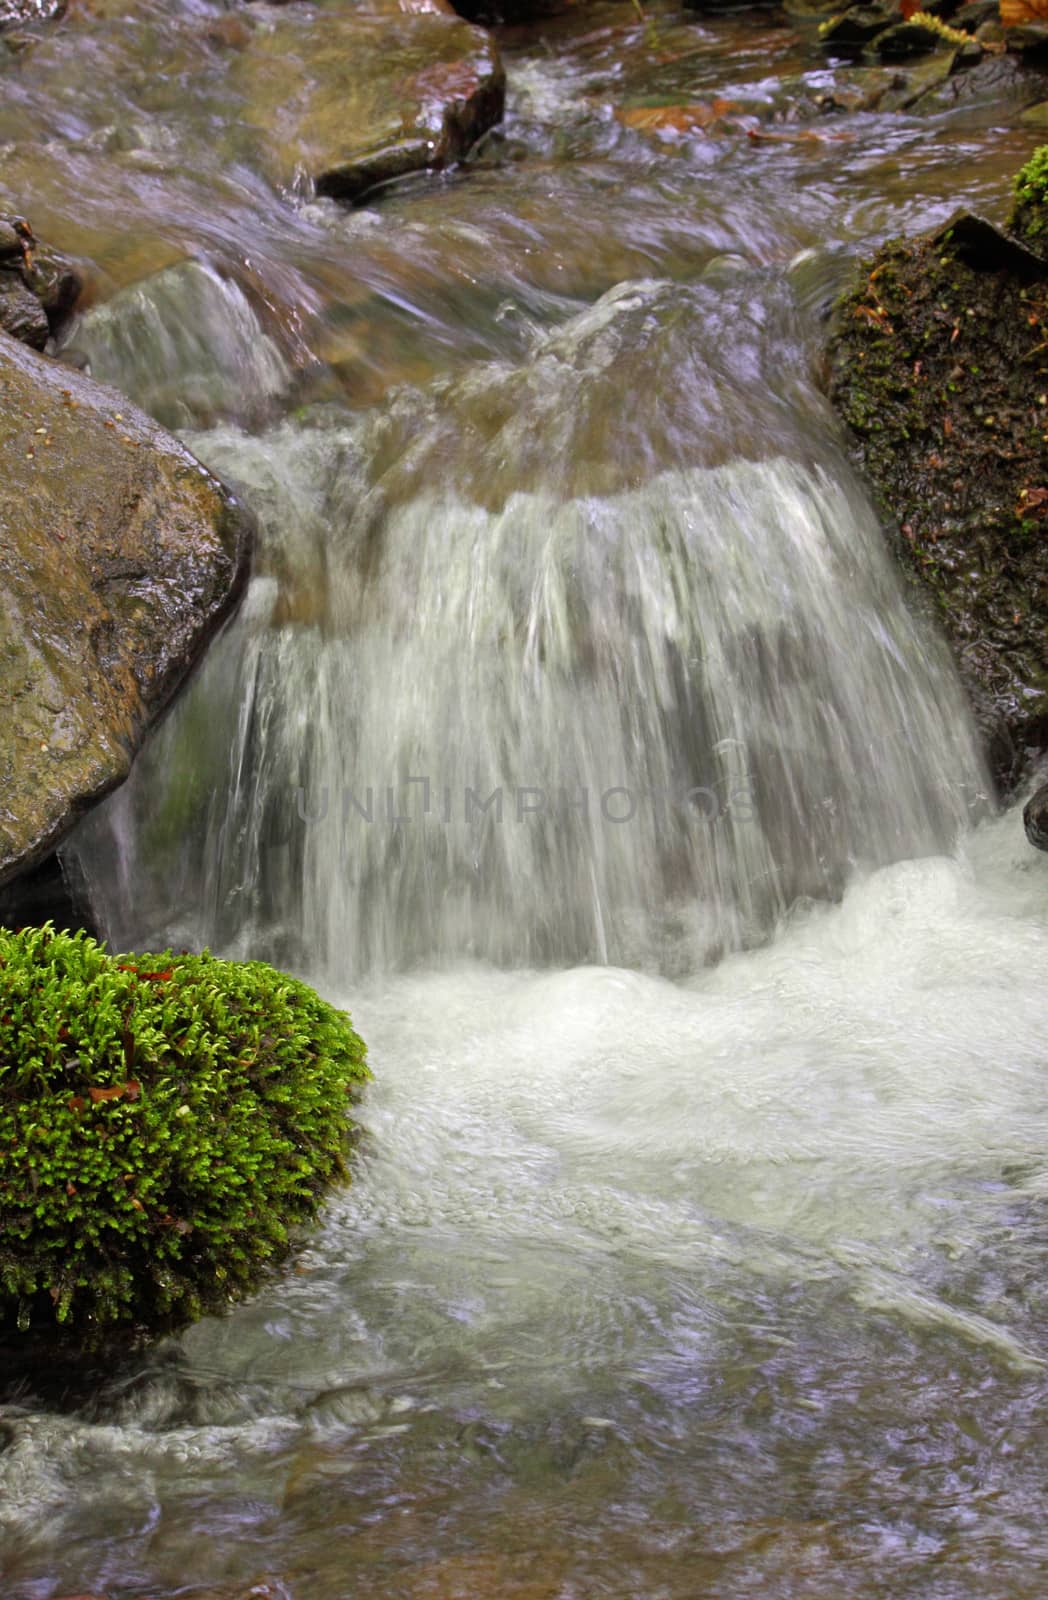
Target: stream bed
577, 734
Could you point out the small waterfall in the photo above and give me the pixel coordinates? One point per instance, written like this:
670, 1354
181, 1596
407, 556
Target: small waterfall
594, 659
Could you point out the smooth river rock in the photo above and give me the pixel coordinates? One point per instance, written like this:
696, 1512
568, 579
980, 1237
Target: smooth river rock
353, 98
119, 558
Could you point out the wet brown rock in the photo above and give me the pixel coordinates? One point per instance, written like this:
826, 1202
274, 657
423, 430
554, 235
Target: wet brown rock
353, 99
38, 287
119, 557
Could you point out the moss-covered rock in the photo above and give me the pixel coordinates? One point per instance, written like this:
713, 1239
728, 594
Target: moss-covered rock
165, 1121
939, 366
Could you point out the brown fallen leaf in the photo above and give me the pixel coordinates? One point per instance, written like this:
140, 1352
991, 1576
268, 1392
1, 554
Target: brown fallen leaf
675, 119
1016, 12
796, 136
131, 1090
1035, 500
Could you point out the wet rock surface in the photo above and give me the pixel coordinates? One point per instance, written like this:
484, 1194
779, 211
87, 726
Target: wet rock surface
15, 12
364, 97
119, 558
1035, 818
38, 286
939, 366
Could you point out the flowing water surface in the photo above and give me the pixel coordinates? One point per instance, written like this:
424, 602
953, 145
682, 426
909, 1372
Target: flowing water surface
578, 734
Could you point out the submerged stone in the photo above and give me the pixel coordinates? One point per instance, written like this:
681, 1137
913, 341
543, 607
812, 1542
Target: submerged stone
119, 558
352, 99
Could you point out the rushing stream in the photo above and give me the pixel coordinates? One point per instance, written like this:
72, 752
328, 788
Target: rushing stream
577, 734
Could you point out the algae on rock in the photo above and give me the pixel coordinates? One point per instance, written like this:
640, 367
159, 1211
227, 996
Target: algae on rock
939, 366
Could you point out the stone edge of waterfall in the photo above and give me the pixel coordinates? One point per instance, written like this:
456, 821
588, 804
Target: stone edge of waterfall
123, 558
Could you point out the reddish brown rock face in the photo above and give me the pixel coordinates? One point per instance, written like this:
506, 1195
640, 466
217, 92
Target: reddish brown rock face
119, 558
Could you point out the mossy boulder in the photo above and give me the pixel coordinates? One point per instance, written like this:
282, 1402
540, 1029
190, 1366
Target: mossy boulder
938, 363
166, 1122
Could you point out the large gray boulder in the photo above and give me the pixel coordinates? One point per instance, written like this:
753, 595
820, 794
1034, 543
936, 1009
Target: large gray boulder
119, 558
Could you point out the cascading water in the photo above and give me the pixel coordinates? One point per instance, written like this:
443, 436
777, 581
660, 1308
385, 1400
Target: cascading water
726, 1286
537, 673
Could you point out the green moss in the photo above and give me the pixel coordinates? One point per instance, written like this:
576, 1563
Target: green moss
1029, 217
164, 1122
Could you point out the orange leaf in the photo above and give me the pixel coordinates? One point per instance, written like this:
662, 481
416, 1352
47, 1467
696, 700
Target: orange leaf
1015, 12
132, 1089
677, 119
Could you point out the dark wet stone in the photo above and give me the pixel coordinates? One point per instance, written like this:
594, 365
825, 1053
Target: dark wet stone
1035, 819
10, 243
939, 366
1001, 80
985, 247
21, 314
974, 14
859, 25
15, 12
907, 39
38, 287
492, 12
54, 281
119, 559
968, 54
1029, 37
56, 892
